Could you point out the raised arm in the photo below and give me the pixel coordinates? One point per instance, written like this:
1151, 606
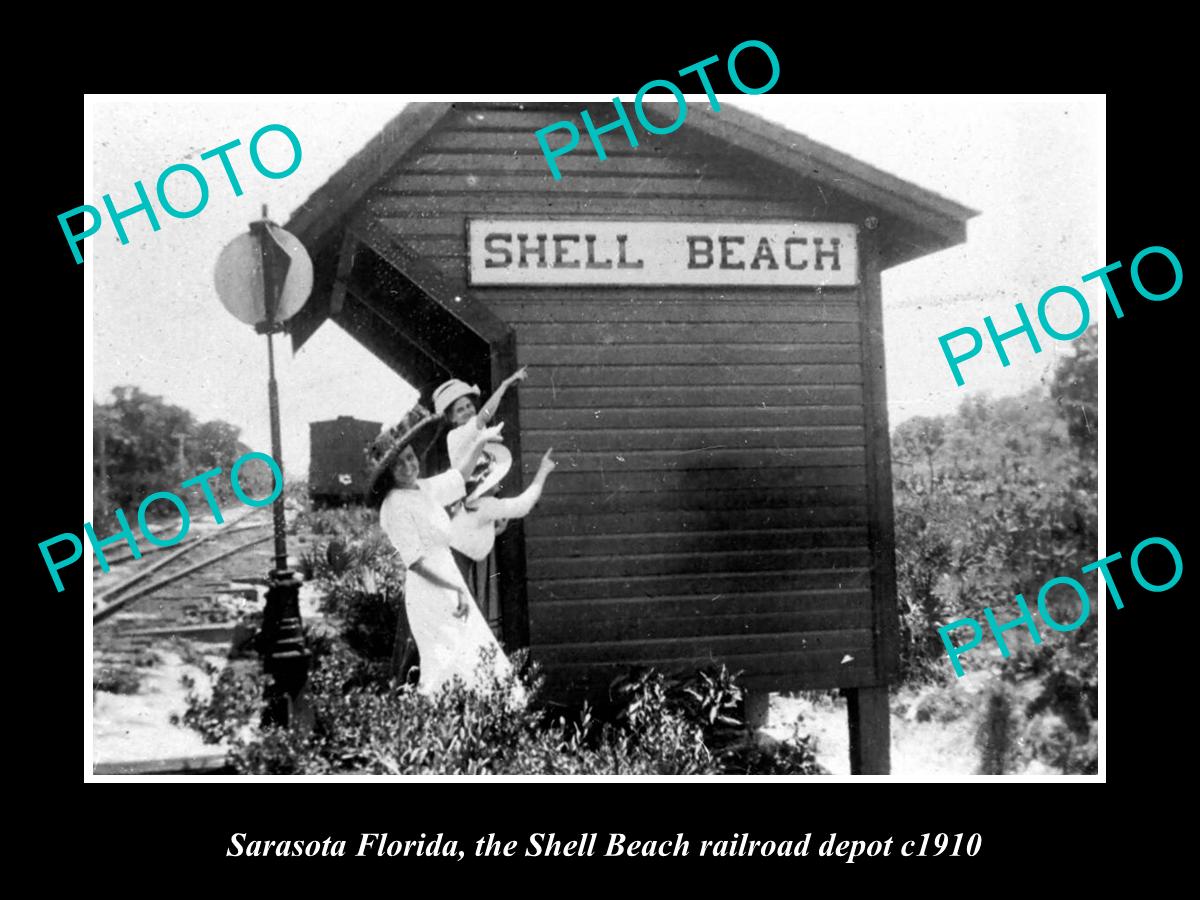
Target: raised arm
519, 507
493, 402
481, 437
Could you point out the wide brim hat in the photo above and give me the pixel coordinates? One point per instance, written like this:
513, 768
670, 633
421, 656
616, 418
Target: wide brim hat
495, 461
418, 428
448, 391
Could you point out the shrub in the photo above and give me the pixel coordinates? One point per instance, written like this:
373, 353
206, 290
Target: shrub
146, 659
234, 704
1068, 693
348, 522
116, 680
366, 597
1054, 742
942, 705
361, 576
798, 756
996, 737
362, 722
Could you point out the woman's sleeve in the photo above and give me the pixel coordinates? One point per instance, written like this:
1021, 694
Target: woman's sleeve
399, 521
511, 507
446, 489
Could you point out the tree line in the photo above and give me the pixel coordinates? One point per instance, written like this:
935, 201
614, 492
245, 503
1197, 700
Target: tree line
142, 444
995, 500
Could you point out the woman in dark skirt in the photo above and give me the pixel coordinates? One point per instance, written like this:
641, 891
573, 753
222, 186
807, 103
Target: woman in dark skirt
455, 402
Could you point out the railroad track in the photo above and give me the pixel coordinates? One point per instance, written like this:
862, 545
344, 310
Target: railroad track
182, 586
152, 617
118, 555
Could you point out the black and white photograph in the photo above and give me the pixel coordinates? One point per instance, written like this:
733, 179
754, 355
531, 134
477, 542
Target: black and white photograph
747, 434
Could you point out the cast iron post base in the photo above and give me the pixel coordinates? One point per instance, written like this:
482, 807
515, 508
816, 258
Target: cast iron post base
281, 644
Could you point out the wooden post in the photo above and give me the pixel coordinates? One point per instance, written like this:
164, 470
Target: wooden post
867, 707
758, 708
103, 504
881, 527
870, 730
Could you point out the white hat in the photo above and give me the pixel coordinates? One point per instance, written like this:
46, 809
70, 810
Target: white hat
495, 460
448, 392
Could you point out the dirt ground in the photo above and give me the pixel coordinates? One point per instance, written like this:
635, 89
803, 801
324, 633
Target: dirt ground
933, 728
129, 727
136, 725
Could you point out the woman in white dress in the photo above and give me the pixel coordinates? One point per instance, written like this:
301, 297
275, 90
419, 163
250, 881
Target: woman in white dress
450, 633
462, 420
456, 402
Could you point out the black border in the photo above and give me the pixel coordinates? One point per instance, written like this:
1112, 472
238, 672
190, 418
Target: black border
1039, 833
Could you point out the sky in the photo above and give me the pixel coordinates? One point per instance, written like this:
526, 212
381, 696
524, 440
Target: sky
1033, 168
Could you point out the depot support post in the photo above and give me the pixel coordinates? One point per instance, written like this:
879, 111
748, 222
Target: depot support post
281, 641
867, 705
870, 730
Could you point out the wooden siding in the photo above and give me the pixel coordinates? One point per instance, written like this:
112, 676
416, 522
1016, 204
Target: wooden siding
714, 490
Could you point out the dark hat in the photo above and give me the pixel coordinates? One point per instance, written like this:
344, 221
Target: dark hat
418, 427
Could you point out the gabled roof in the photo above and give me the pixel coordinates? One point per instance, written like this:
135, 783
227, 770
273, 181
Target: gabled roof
318, 216
912, 221
818, 162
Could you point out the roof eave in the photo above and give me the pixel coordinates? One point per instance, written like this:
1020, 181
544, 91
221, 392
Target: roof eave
943, 217
320, 214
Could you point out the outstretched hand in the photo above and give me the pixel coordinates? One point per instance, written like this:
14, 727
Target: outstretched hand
520, 375
548, 463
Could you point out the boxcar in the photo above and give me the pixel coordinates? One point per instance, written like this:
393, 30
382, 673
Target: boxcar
336, 472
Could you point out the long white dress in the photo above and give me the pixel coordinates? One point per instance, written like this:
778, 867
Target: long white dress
416, 523
480, 571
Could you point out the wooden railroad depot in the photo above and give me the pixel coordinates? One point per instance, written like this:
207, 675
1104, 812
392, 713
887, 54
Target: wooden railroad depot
719, 411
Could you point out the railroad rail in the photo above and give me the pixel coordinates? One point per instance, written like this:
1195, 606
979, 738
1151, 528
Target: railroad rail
146, 604
105, 605
117, 589
119, 558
